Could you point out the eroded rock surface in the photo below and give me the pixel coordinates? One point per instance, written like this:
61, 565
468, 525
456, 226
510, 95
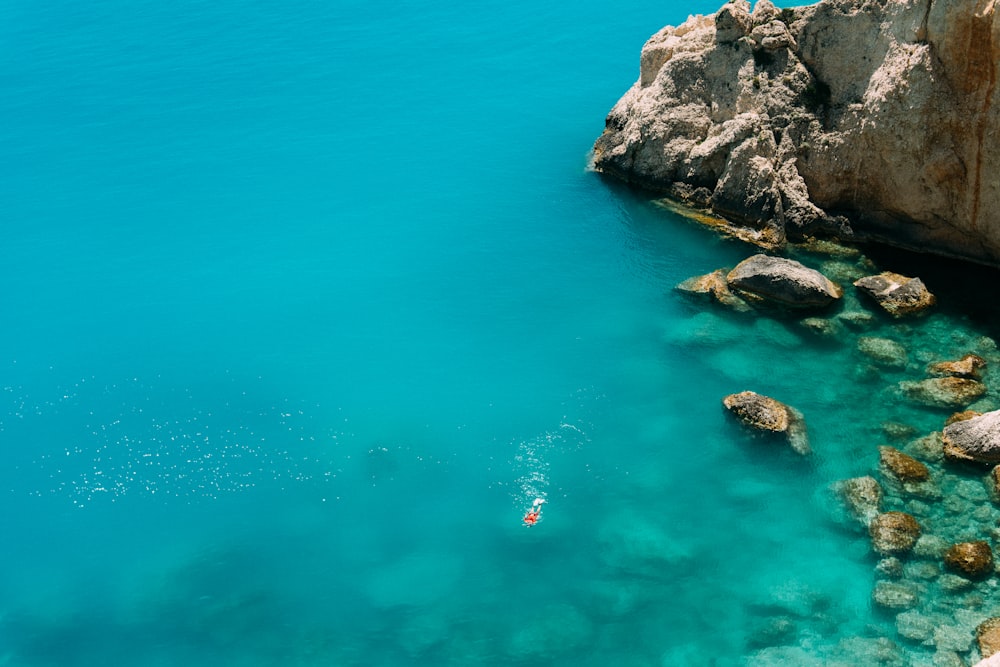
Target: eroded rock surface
894, 532
795, 120
976, 439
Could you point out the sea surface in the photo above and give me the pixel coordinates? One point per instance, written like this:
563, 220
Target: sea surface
305, 302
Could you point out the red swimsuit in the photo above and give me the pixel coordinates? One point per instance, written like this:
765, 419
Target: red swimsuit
531, 518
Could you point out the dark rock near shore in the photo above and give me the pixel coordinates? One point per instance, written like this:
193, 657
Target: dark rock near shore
784, 282
970, 559
975, 440
897, 295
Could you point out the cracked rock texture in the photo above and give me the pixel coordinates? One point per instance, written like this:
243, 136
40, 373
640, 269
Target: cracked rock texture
879, 118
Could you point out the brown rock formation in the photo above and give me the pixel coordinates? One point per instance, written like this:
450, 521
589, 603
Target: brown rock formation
894, 532
970, 559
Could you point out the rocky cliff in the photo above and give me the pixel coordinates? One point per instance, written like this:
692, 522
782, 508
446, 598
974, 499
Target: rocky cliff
880, 117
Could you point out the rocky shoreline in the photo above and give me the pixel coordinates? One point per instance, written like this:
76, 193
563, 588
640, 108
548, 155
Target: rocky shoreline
872, 119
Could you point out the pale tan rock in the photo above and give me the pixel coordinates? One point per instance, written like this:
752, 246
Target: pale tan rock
887, 111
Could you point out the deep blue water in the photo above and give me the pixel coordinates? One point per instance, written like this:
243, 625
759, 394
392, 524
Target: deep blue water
304, 303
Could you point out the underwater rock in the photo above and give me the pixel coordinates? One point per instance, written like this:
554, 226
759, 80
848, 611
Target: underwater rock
893, 532
970, 559
976, 439
883, 351
862, 496
945, 392
823, 327
783, 281
988, 636
994, 483
857, 320
970, 366
914, 625
892, 595
927, 448
952, 583
930, 546
764, 413
714, 286
890, 566
898, 430
898, 295
902, 466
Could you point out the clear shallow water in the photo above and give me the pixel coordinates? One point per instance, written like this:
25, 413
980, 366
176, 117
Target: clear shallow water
305, 302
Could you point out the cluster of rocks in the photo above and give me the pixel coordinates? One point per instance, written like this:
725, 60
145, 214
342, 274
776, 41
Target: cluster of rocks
929, 568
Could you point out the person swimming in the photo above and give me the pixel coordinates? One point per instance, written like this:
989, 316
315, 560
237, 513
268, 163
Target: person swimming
532, 515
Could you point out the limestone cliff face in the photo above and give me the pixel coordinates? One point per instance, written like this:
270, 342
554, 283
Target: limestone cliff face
883, 114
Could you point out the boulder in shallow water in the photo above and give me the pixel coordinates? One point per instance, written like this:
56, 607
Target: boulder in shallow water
976, 440
945, 392
894, 532
970, 559
766, 414
898, 295
783, 281
970, 366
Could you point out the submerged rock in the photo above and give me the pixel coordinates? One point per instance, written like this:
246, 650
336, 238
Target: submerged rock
783, 281
976, 439
898, 295
764, 413
714, 286
970, 366
884, 352
944, 392
970, 559
862, 497
893, 532
893, 595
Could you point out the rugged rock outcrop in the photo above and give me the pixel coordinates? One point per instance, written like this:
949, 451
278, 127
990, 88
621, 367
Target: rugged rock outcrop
988, 637
976, 439
946, 392
792, 121
902, 466
970, 366
862, 497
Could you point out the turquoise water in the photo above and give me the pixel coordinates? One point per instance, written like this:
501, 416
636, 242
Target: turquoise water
305, 302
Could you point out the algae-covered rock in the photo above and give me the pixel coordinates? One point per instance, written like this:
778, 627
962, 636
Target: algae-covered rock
894, 532
903, 467
943, 392
970, 366
970, 559
897, 295
783, 281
